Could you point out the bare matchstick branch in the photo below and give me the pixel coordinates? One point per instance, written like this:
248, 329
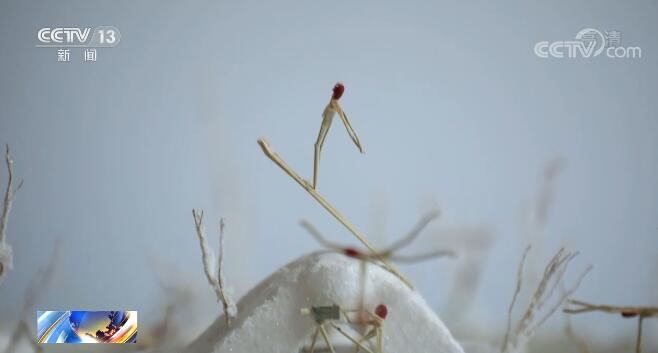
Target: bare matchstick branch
9, 195
216, 281
324, 203
562, 299
552, 274
229, 308
552, 278
517, 290
6, 253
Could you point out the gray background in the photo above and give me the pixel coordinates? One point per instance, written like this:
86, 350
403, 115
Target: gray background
451, 104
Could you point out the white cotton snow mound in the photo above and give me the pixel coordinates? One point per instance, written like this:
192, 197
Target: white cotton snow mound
269, 318
479, 347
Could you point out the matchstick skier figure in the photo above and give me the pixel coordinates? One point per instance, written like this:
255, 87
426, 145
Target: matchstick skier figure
327, 118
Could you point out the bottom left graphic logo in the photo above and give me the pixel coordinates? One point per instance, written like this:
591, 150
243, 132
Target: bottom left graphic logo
86, 326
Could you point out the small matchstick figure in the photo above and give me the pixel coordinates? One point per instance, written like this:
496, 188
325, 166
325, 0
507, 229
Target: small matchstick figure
334, 315
327, 117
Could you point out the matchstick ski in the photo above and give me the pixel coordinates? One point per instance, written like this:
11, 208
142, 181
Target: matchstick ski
327, 118
274, 157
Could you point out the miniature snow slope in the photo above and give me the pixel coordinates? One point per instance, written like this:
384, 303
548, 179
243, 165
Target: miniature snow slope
269, 319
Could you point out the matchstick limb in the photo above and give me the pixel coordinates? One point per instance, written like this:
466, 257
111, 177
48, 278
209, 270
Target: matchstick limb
269, 152
627, 312
330, 111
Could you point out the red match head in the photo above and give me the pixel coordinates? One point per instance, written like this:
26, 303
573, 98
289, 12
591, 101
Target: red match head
381, 310
339, 89
628, 314
351, 252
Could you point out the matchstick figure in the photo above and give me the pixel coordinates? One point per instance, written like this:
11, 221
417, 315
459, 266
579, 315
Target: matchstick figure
332, 315
327, 117
389, 253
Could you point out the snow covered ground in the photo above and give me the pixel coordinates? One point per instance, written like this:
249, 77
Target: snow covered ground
269, 318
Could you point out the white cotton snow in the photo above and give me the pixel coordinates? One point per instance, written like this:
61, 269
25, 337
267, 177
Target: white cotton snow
479, 347
270, 321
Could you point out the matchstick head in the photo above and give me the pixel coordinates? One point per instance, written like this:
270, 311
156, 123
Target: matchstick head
381, 310
628, 314
338, 90
351, 252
